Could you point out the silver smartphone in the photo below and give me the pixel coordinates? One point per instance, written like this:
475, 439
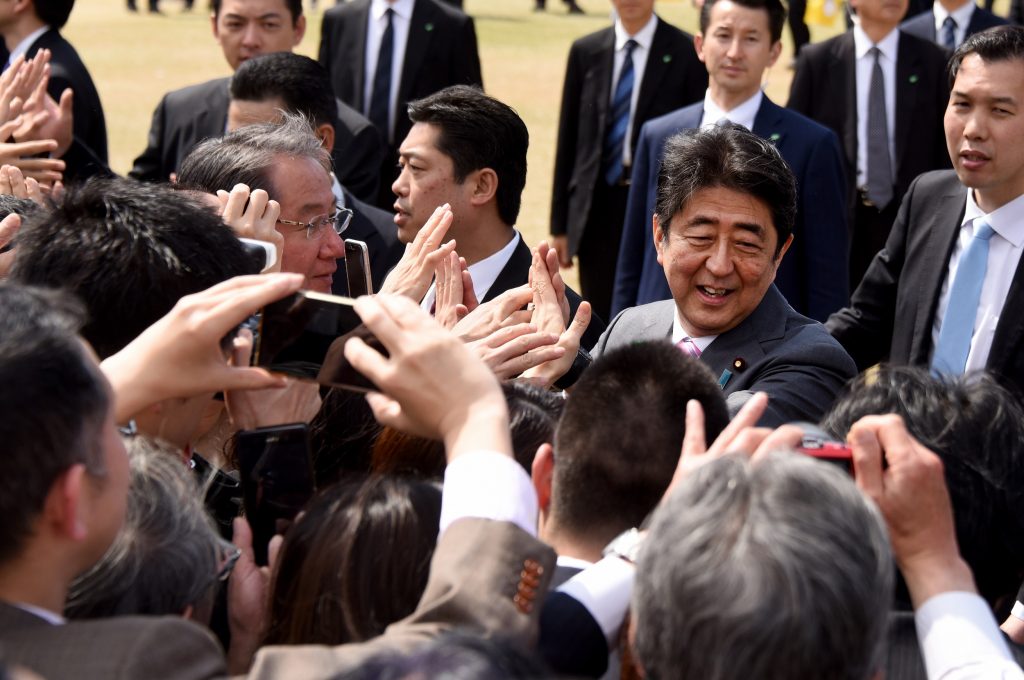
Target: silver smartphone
357, 268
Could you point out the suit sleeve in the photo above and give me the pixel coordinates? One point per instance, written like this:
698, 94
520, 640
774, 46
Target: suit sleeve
636, 228
149, 166
823, 209
565, 151
358, 164
865, 328
175, 650
324, 52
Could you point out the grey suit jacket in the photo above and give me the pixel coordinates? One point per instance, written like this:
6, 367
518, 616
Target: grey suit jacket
774, 350
477, 570
128, 647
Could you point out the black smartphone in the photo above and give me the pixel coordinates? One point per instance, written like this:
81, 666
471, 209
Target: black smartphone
303, 335
277, 479
357, 268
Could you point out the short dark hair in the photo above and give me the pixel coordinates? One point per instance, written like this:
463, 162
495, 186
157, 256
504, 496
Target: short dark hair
355, 562
54, 402
302, 85
618, 442
775, 9
1000, 43
294, 8
533, 414
247, 155
976, 427
477, 131
129, 251
726, 156
20, 206
54, 13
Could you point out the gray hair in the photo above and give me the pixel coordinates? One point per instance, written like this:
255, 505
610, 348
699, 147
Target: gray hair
247, 155
775, 569
166, 556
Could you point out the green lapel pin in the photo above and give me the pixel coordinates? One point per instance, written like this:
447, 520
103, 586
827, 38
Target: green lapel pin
774, 137
429, 27
666, 58
913, 79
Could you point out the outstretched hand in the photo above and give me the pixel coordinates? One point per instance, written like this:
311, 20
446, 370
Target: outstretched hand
412, 275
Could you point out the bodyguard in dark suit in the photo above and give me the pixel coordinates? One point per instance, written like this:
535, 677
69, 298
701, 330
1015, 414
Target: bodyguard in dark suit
888, 139
34, 27
919, 303
949, 22
428, 47
604, 105
813, 276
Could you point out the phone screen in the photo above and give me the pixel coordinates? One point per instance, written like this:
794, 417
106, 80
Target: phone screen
277, 479
357, 268
303, 335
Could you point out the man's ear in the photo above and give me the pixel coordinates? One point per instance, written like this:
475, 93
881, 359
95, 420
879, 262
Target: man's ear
541, 472
300, 30
63, 510
774, 52
213, 26
782, 251
485, 186
658, 235
325, 133
698, 45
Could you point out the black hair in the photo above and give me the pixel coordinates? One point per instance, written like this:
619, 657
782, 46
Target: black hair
1001, 43
775, 9
54, 13
302, 85
294, 8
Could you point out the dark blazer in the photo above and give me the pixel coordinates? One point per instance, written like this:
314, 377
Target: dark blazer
673, 77
376, 229
123, 647
186, 117
923, 25
825, 89
787, 355
441, 51
813, 274
893, 309
517, 272
90, 127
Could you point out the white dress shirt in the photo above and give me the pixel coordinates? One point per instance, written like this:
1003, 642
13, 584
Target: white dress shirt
44, 614
643, 38
484, 273
22, 47
1004, 251
488, 485
374, 34
960, 640
889, 48
679, 333
961, 15
743, 114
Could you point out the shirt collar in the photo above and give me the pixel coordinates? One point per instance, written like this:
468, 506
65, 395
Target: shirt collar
402, 8
485, 272
678, 333
743, 114
23, 46
644, 37
1007, 220
887, 45
961, 15
44, 614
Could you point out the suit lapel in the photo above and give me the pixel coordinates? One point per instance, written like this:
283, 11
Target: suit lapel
1010, 329
908, 65
601, 71
421, 30
767, 322
844, 91
659, 61
767, 122
516, 271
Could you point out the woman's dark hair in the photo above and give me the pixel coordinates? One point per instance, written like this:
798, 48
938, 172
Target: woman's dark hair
355, 562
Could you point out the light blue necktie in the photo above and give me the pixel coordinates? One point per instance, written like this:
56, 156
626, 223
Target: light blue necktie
948, 34
615, 139
954, 344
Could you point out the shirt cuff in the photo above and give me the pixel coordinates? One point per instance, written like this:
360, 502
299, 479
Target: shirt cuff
959, 637
605, 590
1018, 610
488, 485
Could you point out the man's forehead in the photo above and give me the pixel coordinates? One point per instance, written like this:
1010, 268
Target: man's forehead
726, 12
421, 141
255, 9
302, 183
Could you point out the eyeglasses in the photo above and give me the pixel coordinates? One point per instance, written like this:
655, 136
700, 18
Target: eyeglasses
314, 228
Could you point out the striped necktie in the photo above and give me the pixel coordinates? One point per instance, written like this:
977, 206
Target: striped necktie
615, 139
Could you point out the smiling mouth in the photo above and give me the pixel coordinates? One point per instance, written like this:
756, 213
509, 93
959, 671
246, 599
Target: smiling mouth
714, 292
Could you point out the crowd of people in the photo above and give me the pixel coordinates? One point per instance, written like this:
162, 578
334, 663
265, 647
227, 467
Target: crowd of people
779, 432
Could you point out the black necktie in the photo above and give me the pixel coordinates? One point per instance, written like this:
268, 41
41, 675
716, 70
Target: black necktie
879, 164
380, 97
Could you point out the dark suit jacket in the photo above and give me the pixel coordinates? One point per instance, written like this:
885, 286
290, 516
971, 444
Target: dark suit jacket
90, 127
789, 356
923, 25
813, 274
441, 51
673, 77
376, 229
124, 647
476, 571
825, 88
893, 309
186, 117
517, 272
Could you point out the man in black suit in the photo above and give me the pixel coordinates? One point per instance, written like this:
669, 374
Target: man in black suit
882, 92
29, 27
919, 303
617, 79
382, 54
949, 22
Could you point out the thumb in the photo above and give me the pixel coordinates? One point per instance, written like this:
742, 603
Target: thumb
66, 101
9, 226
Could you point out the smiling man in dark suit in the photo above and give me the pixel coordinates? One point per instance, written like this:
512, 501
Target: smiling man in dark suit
947, 290
723, 222
617, 79
382, 54
738, 42
887, 110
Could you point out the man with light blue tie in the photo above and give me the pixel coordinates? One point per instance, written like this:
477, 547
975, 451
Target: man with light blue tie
947, 290
950, 22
